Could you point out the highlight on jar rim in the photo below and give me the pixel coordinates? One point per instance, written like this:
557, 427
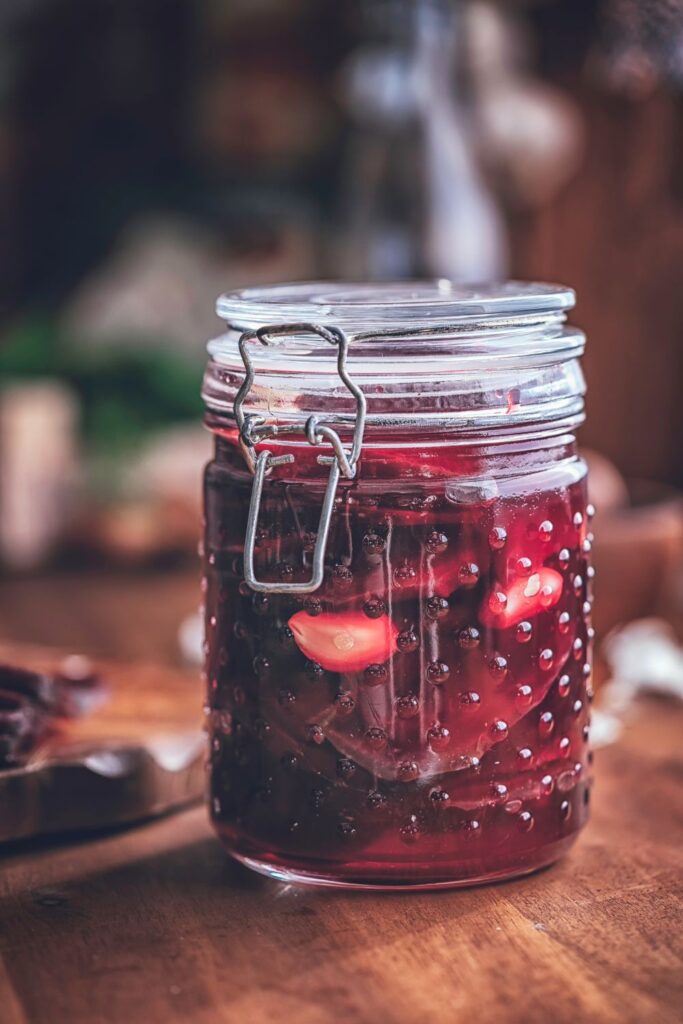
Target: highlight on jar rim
397, 581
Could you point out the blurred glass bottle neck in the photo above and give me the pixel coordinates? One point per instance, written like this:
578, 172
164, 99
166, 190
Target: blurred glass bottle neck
415, 204
408, 55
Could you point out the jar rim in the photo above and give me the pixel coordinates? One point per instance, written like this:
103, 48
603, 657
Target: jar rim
360, 307
453, 357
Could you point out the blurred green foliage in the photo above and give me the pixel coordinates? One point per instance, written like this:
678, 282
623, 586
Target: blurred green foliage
125, 390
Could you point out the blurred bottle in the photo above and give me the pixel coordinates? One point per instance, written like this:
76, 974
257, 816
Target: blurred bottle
39, 469
414, 202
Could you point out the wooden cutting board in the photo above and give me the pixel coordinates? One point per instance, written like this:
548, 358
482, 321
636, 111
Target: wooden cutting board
139, 754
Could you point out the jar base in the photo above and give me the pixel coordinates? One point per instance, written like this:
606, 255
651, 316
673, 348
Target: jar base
398, 878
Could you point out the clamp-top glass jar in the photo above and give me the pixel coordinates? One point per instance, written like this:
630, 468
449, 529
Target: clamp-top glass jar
397, 582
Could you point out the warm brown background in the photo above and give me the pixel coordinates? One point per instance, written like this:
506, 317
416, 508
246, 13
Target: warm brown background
230, 115
616, 235
156, 925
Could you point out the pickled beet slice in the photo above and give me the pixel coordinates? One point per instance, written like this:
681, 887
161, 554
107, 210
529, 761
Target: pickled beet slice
438, 577
523, 599
552, 739
372, 749
476, 790
344, 642
471, 712
406, 579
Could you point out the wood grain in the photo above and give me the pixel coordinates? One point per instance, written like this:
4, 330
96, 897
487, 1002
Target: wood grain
139, 753
156, 924
106, 614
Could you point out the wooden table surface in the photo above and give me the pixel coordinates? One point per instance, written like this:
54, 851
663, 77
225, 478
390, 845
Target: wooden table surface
157, 924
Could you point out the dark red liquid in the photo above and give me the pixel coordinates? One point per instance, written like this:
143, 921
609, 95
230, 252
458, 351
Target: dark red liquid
422, 718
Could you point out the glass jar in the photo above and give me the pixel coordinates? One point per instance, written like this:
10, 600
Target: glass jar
397, 582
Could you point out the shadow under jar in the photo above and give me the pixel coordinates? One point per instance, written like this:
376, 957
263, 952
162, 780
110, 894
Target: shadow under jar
418, 717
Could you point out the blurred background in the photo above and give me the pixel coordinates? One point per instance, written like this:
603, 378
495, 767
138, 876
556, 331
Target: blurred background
154, 153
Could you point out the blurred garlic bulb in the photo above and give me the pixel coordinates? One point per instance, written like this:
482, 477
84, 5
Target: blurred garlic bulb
415, 202
530, 135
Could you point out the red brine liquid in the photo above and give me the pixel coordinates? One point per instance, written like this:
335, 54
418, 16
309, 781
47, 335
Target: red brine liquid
422, 718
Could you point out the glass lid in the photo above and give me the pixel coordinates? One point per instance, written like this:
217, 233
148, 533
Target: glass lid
408, 304
417, 349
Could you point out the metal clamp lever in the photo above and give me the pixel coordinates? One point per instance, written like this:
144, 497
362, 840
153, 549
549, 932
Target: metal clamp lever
254, 429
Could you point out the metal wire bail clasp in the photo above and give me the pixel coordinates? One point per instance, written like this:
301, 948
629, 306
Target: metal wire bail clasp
254, 429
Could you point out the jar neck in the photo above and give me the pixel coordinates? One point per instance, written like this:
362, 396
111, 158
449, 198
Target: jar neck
410, 456
461, 396
420, 357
